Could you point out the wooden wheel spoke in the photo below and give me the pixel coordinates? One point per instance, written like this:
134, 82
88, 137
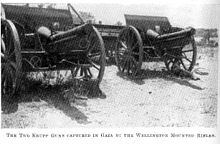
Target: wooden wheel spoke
93, 47
85, 72
133, 47
93, 42
133, 65
94, 65
124, 66
89, 71
76, 71
129, 65
135, 53
13, 65
123, 35
123, 45
81, 71
3, 80
130, 40
184, 54
128, 36
121, 51
9, 46
6, 37
121, 55
122, 48
6, 85
11, 54
133, 41
94, 54
4, 72
3, 67
3, 49
89, 38
132, 37
134, 61
12, 73
170, 61
184, 51
95, 60
183, 64
72, 71
3, 58
185, 57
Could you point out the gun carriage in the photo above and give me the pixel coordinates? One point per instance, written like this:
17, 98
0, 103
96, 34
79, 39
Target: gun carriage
109, 35
150, 38
39, 39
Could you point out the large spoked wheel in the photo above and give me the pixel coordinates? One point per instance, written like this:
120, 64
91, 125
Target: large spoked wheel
11, 66
93, 65
184, 57
129, 51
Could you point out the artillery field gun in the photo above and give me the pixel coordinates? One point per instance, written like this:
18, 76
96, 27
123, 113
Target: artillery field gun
38, 39
30, 43
150, 38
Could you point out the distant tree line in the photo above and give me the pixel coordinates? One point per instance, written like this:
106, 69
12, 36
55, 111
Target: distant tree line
207, 32
209, 36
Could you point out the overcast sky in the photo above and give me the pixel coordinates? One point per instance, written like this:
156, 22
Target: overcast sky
198, 16
182, 15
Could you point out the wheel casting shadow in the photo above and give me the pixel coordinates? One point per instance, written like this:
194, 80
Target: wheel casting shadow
151, 74
8, 107
53, 96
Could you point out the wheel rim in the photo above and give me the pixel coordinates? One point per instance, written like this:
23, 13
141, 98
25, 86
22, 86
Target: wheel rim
10, 59
185, 57
129, 51
93, 66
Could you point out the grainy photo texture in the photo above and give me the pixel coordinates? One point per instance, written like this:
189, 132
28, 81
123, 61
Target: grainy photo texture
108, 65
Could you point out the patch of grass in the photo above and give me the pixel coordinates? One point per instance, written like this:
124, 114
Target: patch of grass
59, 83
46, 78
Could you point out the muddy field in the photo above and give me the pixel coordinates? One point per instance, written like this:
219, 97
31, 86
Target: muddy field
154, 99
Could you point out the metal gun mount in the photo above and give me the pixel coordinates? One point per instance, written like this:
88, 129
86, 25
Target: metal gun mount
152, 38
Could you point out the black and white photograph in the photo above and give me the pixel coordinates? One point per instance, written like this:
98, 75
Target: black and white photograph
109, 65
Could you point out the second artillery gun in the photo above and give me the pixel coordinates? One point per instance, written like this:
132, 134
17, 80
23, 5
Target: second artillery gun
152, 38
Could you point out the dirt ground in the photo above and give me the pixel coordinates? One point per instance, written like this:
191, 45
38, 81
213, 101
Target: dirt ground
154, 99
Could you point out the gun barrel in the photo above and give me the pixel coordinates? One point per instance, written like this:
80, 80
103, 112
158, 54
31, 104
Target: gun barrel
183, 33
82, 29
